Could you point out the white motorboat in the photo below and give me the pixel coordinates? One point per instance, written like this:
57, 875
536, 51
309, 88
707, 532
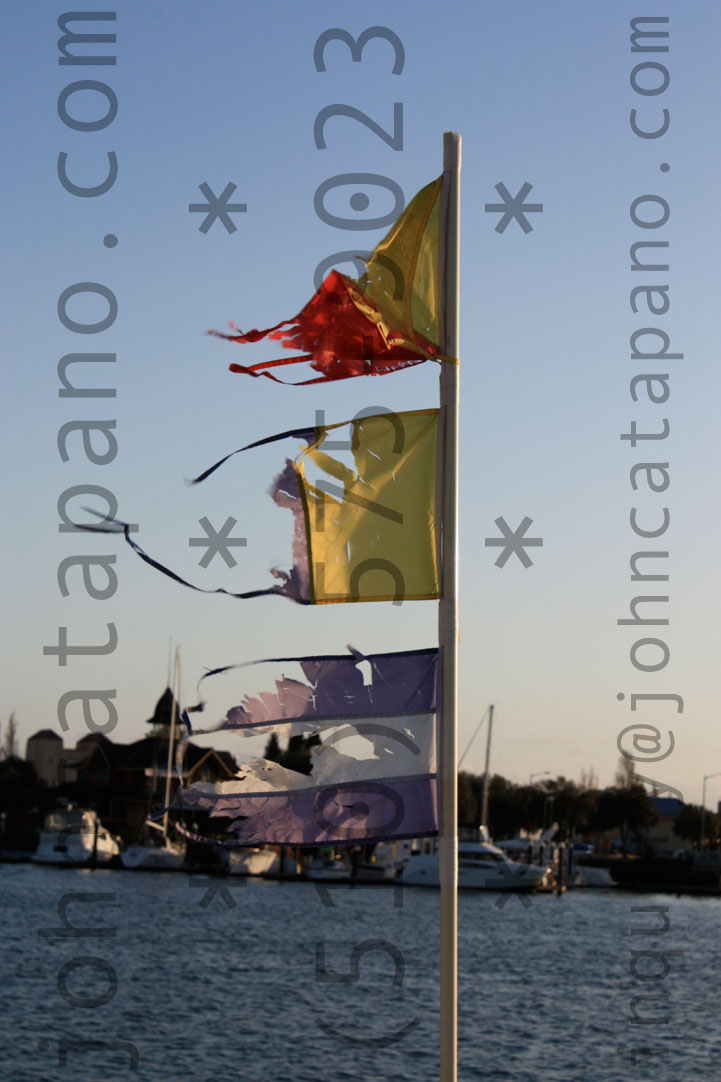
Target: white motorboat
75, 836
481, 866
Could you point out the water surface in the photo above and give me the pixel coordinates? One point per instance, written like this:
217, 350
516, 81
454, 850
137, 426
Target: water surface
287, 982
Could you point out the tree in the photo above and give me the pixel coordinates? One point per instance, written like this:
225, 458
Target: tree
23, 799
20, 787
627, 809
688, 824
10, 740
468, 809
574, 807
625, 776
507, 809
589, 779
296, 756
272, 749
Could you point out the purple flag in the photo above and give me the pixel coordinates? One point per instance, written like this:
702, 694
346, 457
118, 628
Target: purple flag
373, 775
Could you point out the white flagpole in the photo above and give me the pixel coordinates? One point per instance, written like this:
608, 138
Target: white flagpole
448, 607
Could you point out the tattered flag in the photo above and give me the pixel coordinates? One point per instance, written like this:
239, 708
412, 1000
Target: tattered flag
382, 322
373, 773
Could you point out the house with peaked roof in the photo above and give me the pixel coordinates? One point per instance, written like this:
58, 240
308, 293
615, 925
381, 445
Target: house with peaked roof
91, 761
124, 783
142, 771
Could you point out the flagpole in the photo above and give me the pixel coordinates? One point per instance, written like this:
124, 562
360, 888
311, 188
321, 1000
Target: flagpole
448, 607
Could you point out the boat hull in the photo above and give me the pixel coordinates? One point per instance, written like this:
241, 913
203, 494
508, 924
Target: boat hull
75, 850
152, 858
251, 861
327, 871
589, 876
419, 873
481, 866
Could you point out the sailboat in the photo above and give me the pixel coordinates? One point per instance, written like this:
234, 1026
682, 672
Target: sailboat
159, 853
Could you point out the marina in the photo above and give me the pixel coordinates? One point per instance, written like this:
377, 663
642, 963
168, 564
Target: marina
72, 837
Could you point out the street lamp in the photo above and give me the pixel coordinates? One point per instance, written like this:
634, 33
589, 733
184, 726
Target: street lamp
538, 774
703, 805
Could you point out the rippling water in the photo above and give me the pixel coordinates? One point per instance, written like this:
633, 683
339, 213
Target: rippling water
268, 989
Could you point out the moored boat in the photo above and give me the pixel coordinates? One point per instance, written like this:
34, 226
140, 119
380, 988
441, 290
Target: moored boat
481, 866
75, 836
328, 866
590, 875
166, 856
253, 860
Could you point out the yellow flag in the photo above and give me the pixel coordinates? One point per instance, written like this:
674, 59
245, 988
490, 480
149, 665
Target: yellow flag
371, 529
402, 276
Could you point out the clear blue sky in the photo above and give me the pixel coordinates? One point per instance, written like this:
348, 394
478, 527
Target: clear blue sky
226, 92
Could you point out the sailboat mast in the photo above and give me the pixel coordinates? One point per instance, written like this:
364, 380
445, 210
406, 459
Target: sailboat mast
175, 692
486, 772
448, 605
170, 655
